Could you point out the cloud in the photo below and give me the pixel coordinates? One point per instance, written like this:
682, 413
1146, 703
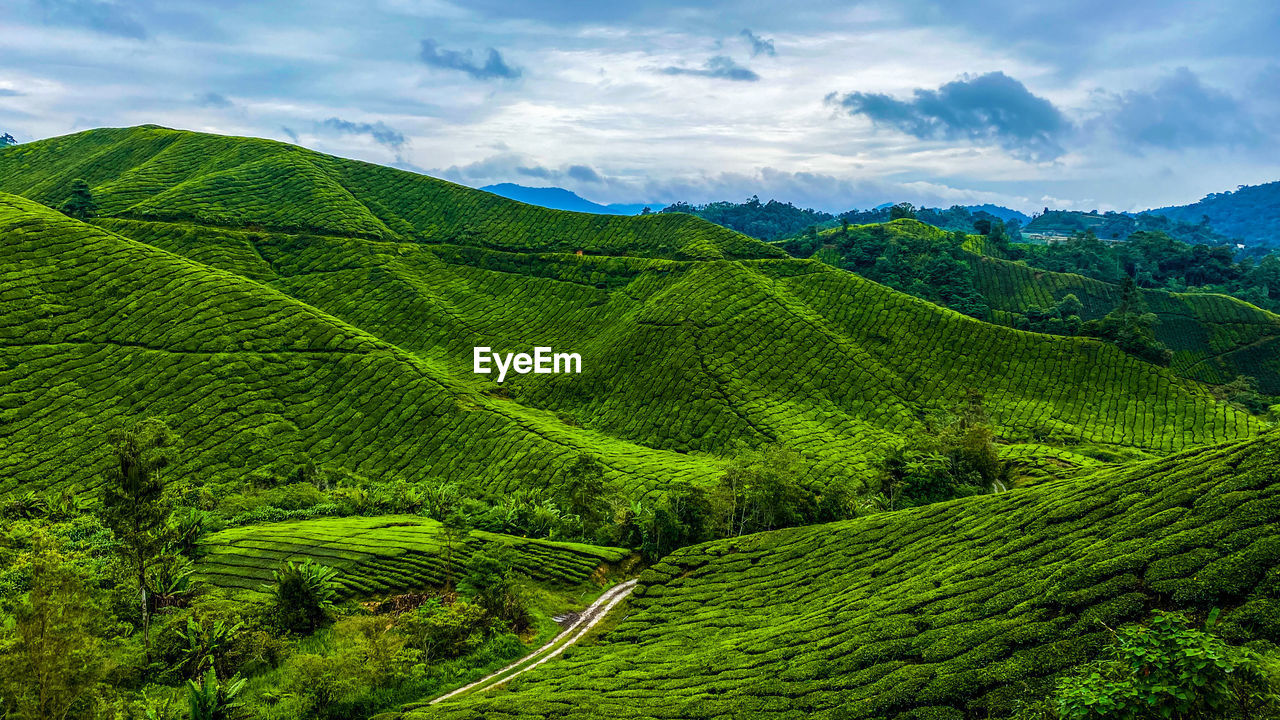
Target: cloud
721, 67
213, 99
7, 92
759, 45
379, 131
288, 131
987, 108
1179, 112
494, 66
584, 173
509, 166
104, 16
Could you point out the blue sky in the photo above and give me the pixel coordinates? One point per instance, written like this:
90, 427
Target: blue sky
1087, 104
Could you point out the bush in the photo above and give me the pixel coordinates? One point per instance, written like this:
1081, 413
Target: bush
1167, 669
304, 594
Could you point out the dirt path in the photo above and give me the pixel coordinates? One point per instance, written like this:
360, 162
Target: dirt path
570, 635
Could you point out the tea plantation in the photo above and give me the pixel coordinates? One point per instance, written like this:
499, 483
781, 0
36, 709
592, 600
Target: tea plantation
337, 327
382, 555
954, 610
1214, 338
99, 329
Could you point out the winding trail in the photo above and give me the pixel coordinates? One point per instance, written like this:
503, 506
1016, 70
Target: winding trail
566, 637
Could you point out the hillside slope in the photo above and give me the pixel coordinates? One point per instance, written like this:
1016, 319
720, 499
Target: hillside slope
96, 329
946, 612
1250, 213
350, 345
380, 555
1214, 338
156, 173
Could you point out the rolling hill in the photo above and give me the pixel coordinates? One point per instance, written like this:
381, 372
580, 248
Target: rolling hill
272, 301
1213, 337
948, 612
1250, 213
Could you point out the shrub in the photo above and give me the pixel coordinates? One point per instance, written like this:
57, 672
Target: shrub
1167, 669
303, 595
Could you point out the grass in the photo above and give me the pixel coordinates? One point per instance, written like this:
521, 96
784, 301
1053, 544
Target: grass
383, 555
954, 610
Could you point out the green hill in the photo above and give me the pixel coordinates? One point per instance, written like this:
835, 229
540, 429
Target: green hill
160, 174
98, 328
946, 612
1213, 337
349, 344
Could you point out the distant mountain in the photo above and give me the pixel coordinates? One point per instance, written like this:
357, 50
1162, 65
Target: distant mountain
561, 199
1004, 213
1250, 213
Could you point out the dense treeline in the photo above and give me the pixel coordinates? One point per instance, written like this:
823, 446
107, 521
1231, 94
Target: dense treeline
1250, 212
1119, 226
766, 221
1155, 260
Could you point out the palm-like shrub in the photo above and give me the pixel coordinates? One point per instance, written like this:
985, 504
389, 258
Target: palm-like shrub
304, 593
213, 700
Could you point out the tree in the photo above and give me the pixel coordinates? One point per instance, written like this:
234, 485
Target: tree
303, 595
901, 211
761, 491
80, 203
7, 140
495, 585
454, 529
133, 502
583, 491
54, 656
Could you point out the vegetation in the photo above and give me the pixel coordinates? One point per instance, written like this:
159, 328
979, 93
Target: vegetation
967, 608
1248, 213
1167, 669
849, 501
766, 221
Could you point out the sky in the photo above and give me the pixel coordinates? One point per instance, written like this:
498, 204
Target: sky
1093, 104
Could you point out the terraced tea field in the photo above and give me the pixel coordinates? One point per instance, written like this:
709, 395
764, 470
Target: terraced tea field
340, 330
98, 329
1214, 338
945, 612
382, 555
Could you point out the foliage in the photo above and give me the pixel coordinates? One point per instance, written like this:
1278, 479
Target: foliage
761, 491
1167, 669
1129, 326
55, 656
766, 221
497, 586
303, 594
441, 630
210, 699
944, 611
1248, 213
584, 492
957, 458
80, 203
134, 506
7, 140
